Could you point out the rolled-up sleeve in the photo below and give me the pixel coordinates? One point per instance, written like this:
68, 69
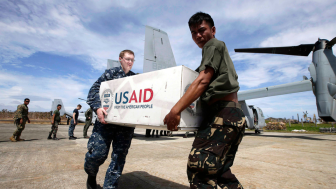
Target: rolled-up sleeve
211, 57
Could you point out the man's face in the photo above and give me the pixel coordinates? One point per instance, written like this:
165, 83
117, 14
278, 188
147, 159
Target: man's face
202, 33
59, 107
26, 102
127, 62
79, 107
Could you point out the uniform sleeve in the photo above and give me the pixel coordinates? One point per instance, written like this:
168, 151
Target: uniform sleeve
211, 57
86, 113
93, 98
20, 111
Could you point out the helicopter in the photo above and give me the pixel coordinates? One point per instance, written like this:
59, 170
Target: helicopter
322, 71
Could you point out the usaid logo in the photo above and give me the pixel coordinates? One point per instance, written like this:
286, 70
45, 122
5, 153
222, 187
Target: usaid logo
141, 96
106, 98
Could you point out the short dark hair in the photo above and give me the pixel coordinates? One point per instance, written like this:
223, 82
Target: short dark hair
79, 105
59, 105
198, 18
26, 99
122, 53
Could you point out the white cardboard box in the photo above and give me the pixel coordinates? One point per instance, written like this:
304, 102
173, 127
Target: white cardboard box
144, 100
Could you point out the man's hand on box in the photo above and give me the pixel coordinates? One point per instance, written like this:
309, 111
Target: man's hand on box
101, 115
172, 120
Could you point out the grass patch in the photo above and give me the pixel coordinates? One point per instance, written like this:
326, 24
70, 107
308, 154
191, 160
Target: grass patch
309, 127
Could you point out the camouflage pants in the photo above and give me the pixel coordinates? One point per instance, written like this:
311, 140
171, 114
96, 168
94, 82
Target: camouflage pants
86, 127
19, 127
215, 146
54, 128
98, 149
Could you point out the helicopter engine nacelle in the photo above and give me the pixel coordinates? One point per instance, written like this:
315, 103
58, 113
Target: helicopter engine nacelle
254, 116
323, 78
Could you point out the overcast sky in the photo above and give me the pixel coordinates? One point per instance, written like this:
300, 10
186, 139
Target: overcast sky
57, 49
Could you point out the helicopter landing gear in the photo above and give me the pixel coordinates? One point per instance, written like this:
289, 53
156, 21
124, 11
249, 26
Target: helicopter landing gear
257, 131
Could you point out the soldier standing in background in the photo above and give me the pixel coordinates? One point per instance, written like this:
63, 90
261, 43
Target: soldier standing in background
74, 122
20, 118
88, 121
56, 119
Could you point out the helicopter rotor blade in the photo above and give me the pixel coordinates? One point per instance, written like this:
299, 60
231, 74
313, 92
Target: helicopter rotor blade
332, 42
301, 50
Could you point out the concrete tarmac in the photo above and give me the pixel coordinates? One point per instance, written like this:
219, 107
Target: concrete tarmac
269, 160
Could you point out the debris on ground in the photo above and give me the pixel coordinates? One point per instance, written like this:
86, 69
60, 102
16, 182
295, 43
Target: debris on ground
301, 130
275, 126
328, 130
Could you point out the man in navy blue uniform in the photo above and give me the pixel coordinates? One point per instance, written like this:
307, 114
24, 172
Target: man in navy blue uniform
74, 122
103, 134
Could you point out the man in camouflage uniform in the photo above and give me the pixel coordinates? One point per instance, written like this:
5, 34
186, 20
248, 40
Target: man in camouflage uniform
88, 121
20, 119
56, 119
223, 126
103, 134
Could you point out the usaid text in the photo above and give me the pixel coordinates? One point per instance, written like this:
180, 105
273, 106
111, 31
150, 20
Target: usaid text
142, 96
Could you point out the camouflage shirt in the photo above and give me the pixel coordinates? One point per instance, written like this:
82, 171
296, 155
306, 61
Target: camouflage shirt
21, 112
88, 114
57, 115
93, 98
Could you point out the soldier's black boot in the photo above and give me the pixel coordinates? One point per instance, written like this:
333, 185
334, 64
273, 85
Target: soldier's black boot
55, 138
91, 182
49, 137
